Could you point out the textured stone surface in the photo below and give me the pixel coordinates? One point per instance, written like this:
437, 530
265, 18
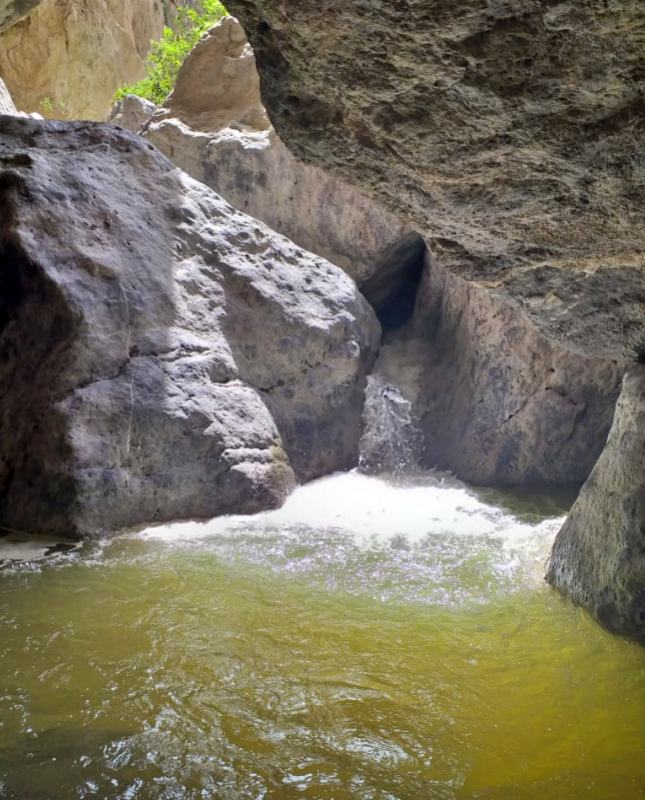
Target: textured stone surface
6, 103
509, 133
599, 555
215, 128
12, 11
497, 403
68, 57
163, 356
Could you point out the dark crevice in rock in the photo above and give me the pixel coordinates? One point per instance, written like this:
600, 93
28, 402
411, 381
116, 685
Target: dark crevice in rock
392, 289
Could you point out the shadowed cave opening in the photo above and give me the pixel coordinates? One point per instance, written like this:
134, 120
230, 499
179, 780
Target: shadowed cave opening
392, 290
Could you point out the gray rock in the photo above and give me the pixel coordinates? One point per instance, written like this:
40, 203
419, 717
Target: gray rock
163, 355
12, 11
132, 112
214, 127
599, 555
496, 402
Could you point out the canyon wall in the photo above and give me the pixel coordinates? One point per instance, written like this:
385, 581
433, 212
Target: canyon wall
510, 134
67, 58
12, 11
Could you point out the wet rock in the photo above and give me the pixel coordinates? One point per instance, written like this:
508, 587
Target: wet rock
214, 127
500, 403
163, 355
599, 555
509, 134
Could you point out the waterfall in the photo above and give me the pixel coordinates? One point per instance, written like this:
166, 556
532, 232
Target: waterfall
391, 440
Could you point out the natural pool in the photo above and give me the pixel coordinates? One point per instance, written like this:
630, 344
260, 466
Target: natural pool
373, 639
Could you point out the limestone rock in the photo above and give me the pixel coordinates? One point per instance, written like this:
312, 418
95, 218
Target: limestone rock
214, 127
599, 555
68, 57
509, 133
12, 11
166, 355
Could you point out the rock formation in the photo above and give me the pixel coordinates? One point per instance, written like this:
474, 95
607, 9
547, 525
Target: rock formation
508, 133
68, 57
163, 356
497, 402
12, 11
599, 555
214, 127
6, 103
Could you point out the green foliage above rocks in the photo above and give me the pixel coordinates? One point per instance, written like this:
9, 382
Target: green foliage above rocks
168, 53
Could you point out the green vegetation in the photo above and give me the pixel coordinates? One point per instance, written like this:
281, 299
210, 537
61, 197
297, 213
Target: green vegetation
168, 54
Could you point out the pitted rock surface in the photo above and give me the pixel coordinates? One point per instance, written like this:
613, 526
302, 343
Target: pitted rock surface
167, 356
511, 134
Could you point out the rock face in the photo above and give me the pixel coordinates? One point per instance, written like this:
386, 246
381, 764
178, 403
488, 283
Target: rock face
167, 356
599, 555
497, 403
12, 11
509, 133
68, 57
214, 127
6, 103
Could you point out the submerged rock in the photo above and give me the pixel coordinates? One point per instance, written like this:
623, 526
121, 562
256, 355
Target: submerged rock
215, 127
163, 355
599, 555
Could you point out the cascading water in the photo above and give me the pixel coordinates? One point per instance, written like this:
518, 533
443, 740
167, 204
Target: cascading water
391, 440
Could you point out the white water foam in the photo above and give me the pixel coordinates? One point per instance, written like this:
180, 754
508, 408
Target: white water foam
370, 508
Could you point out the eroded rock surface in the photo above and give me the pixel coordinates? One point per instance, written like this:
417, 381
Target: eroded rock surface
599, 555
163, 355
509, 133
12, 11
214, 127
6, 103
497, 403
68, 57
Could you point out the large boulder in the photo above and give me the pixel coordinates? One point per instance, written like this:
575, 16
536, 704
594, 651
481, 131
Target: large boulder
599, 555
68, 57
508, 133
12, 11
163, 355
214, 127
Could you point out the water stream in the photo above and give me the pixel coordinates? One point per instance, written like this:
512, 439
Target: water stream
377, 638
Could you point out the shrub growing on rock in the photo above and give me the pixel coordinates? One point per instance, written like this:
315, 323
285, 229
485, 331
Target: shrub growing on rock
168, 54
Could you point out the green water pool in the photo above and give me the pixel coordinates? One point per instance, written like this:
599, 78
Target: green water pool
371, 640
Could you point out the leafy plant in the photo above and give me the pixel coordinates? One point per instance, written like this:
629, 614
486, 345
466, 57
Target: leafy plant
168, 53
